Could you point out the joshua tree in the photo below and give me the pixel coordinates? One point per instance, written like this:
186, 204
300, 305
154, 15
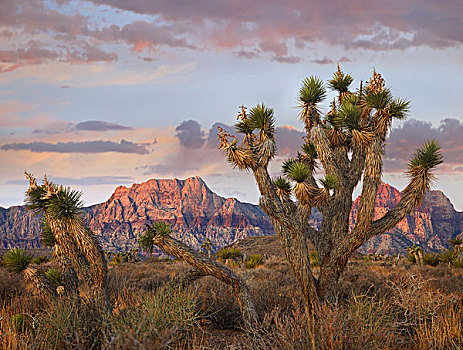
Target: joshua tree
207, 246
417, 253
17, 261
158, 235
348, 143
61, 208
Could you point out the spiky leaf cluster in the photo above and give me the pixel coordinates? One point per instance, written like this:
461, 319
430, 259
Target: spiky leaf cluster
283, 186
54, 277
428, 156
145, 240
65, 204
329, 182
47, 236
262, 118
340, 81
298, 171
16, 260
312, 91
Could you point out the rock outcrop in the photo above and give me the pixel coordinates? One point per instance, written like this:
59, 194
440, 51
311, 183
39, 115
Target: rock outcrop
197, 213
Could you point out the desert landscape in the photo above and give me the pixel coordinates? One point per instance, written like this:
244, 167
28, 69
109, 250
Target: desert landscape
231, 175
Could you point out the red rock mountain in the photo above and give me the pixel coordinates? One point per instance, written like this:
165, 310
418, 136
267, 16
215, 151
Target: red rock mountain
196, 213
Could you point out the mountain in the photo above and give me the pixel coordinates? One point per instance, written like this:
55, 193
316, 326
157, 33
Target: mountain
197, 213
193, 210
430, 226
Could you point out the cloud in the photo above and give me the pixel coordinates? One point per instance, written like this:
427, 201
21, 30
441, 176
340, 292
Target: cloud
324, 60
190, 134
35, 32
98, 125
79, 147
83, 181
404, 140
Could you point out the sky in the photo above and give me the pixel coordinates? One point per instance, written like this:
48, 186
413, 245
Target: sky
102, 93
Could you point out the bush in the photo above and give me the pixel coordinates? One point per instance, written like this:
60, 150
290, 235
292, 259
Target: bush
39, 260
458, 262
228, 253
16, 260
447, 256
253, 261
54, 277
431, 259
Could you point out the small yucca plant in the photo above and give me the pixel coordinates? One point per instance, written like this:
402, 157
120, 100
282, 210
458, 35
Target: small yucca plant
54, 277
447, 256
18, 323
431, 259
228, 253
253, 261
17, 260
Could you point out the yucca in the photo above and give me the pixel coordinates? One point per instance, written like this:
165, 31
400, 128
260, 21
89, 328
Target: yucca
348, 144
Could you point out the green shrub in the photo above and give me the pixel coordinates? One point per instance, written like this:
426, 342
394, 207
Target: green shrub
447, 256
431, 259
232, 263
411, 258
16, 260
40, 260
458, 262
253, 261
228, 253
54, 277
455, 241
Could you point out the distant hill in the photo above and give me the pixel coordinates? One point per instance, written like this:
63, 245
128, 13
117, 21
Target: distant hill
197, 213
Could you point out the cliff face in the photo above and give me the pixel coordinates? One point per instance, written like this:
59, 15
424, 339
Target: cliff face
431, 225
196, 213
193, 210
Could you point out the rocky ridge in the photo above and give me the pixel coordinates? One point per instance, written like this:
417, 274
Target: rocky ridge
197, 213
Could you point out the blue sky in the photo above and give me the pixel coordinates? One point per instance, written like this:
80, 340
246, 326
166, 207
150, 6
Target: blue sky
138, 70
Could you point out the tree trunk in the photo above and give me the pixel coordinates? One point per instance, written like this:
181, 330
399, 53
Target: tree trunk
175, 248
67, 272
41, 284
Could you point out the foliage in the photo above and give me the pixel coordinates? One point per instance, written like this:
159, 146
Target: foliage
253, 261
228, 253
16, 260
456, 241
457, 262
54, 277
40, 260
431, 259
145, 240
447, 256
47, 236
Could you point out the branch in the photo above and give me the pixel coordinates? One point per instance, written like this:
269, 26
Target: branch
326, 153
175, 248
371, 181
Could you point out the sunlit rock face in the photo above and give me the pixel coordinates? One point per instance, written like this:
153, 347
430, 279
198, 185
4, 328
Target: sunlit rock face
431, 225
197, 213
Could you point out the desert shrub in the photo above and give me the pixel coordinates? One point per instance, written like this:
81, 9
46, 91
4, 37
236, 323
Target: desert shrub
314, 258
16, 260
411, 258
232, 263
431, 259
11, 285
228, 253
361, 324
455, 241
253, 261
54, 277
458, 262
39, 260
154, 318
445, 331
447, 256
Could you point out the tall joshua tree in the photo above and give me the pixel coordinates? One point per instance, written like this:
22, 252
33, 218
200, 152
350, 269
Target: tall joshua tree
61, 208
348, 144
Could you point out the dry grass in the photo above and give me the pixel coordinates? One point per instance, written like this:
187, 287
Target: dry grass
378, 308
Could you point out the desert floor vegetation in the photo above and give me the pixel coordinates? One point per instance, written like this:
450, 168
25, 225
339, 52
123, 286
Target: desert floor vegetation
379, 306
